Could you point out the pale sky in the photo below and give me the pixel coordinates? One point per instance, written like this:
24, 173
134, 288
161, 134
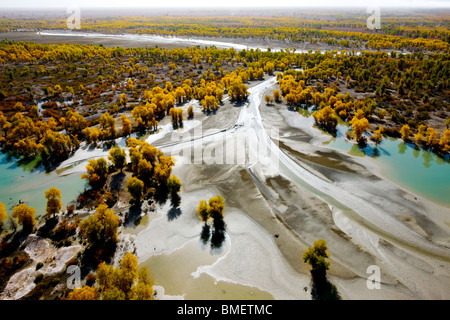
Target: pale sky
227, 3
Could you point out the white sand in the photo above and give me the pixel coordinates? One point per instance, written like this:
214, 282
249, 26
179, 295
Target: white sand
254, 260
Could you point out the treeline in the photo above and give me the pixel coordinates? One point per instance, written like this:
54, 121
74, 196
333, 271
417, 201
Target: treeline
405, 95
419, 32
80, 88
85, 92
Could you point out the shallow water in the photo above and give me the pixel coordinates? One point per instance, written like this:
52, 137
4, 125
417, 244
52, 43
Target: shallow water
176, 273
417, 170
26, 183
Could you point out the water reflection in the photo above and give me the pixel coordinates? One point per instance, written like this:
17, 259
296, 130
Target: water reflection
402, 148
27, 182
427, 175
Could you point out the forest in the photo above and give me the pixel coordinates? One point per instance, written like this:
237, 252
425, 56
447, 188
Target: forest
421, 31
56, 97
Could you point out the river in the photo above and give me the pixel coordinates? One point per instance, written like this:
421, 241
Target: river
27, 183
416, 170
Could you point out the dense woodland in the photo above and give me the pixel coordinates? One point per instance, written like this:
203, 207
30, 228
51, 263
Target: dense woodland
420, 31
53, 98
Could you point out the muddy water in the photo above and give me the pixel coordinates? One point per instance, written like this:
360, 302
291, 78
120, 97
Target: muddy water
178, 274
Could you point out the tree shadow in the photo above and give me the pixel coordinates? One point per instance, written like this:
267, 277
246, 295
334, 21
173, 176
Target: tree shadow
218, 233
161, 194
133, 216
205, 234
108, 144
173, 213
116, 182
239, 103
95, 254
217, 238
322, 289
45, 230
92, 146
210, 112
175, 200
12, 242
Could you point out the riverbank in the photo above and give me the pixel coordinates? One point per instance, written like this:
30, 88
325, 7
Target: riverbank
275, 211
271, 219
362, 178
147, 40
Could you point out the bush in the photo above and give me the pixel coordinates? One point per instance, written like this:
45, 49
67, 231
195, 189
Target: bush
39, 265
38, 278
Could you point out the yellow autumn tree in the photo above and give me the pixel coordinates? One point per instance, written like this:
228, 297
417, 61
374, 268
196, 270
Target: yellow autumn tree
277, 95
84, 293
432, 137
444, 142
190, 112
125, 282
24, 216
135, 187
326, 118
420, 134
118, 157
108, 126
359, 125
126, 125
377, 135
54, 204
97, 170
405, 132
100, 227
202, 211
316, 256
3, 215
